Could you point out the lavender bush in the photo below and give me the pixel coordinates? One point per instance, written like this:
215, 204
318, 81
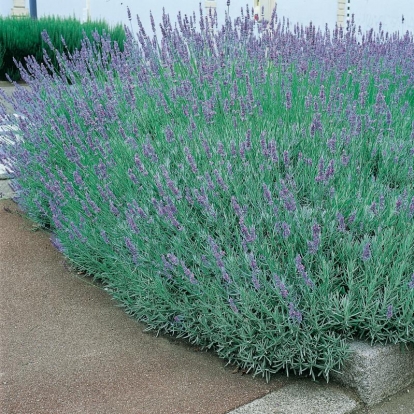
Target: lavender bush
248, 187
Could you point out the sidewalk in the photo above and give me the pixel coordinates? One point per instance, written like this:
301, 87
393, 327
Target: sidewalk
67, 348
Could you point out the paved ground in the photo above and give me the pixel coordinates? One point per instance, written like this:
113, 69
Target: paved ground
67, 348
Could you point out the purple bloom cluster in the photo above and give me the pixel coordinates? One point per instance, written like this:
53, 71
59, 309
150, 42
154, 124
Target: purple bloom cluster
189, 274
366, 253
313, 245
233, 305
287, 198
218, 254
325, 175
301, 270
294, 313
389, 311
281, 286
411, 283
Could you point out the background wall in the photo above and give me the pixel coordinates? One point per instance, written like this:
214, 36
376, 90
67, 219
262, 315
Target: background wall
368, 13
319, 12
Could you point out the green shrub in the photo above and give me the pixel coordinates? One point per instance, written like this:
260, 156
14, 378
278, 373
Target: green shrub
21, 37
253, 194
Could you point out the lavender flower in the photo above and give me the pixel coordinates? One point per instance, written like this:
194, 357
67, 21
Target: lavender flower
206, 148
273, 151
288, 198
411, 208
280, 285
389, 311
77, 178
313, 245
132, 249
411, 283
217, 253
285, 229
341, 222
140, 165
220, 180
301, 270
321, 175
288, 103
286, 160
345, 159
190, 160
236, 207
104, 236
351, 218
267, 194
189, 274
330, 171
57, 244
332, 144
366, 253
173, 259
169, 134
113, 208
220, 149
294, 314
233, 306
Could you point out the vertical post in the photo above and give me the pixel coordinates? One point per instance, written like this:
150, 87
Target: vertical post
19, 8
33, 9
88, 10
343, 12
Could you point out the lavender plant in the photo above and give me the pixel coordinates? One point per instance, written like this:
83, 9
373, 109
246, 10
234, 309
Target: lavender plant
249, 188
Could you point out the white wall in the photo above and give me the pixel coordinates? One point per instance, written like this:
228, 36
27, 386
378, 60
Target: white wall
115, 11
369, 13
319, 12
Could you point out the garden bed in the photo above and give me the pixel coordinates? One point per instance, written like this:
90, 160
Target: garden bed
258, 203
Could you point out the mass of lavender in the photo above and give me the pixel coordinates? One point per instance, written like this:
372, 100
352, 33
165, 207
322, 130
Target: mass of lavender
249, 187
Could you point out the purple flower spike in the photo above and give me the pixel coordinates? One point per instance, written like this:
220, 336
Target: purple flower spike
233, 305
190, 160
389, 312
411, 283
104, 236
285, 229
341, 222
267, 194
140, 165
169, 135
189, 274
77, 178
301, 270
288, 198
280, 285
411, 208
294, 314
366, 254
313, 245
57, 244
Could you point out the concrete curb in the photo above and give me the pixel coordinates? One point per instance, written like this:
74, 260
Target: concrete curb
377, 372
372, 374
302, 397
5, 191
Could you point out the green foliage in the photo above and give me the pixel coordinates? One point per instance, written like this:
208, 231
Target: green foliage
151, 170
21, 37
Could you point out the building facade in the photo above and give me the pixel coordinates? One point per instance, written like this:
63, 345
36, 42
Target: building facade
19, 8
